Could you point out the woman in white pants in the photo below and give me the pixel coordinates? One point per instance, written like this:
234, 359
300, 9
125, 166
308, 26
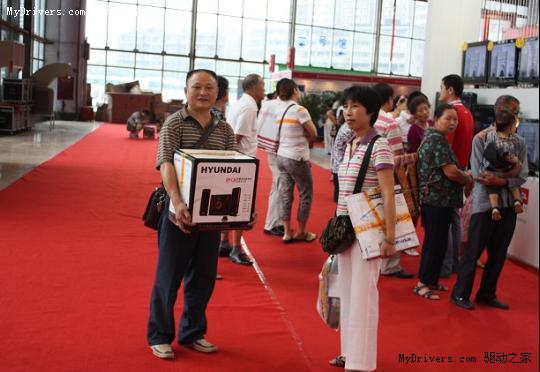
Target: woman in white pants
357, 278
329, 125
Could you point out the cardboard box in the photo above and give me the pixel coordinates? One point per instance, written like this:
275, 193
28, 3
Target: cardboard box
366, 210
218, 187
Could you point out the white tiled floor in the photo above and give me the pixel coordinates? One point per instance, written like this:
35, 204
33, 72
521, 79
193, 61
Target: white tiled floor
22, 152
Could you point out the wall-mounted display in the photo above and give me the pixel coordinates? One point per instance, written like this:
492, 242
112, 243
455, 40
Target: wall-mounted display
503, 63
528, 62
475, 63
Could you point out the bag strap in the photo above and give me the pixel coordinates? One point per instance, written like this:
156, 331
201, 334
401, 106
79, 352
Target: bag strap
204, 137
281, 123
364, 167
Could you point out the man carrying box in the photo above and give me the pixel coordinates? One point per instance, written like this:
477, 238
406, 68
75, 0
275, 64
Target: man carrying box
184, 254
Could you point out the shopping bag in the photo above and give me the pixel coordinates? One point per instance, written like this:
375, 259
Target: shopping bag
366, 210
328, 299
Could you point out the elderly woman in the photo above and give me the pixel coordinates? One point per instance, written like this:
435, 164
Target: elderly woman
357, 278
419, 108
441, 184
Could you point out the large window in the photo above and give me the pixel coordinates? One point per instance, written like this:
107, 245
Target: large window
14, 28
403, 28
38, 47
504, 19
236, 38
151, 45
233, 37
336, 33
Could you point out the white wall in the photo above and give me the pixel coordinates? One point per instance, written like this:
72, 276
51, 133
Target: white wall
450, 23
528, 98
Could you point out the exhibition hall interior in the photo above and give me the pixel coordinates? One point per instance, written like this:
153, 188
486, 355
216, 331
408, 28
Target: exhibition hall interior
269, 185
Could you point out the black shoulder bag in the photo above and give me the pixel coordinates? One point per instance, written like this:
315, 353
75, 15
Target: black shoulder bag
338, 234
154, 206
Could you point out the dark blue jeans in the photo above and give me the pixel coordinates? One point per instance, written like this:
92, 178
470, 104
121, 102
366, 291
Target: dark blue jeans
192, 257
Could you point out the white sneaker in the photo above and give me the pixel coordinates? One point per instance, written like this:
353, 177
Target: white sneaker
163, 351
412, 252
203, 346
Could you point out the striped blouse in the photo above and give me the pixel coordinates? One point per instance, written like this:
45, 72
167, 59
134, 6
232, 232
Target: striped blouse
381, 158
182, 131
388, 127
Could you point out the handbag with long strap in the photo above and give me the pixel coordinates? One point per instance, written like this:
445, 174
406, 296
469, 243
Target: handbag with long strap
339, 233
157, 198
268, 144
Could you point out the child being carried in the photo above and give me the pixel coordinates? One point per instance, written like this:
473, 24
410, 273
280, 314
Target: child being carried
500, 157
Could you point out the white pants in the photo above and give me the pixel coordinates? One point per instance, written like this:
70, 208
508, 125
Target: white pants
328, 140
272, 215
359, 308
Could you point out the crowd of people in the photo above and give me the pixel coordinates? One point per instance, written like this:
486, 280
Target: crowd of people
452, 164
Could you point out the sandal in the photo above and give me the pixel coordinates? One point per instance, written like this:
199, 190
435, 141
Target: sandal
438, 287
496, 214
338, 361
308, 237
426, 294
518, 207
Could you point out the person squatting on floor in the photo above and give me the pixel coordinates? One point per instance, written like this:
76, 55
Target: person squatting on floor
136, 122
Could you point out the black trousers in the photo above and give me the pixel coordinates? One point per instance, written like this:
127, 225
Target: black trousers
496, 236
192, 257
436, 222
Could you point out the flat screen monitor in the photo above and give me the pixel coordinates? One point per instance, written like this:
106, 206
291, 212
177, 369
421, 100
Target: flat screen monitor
503, 63
528, 62
529, 129
475, 63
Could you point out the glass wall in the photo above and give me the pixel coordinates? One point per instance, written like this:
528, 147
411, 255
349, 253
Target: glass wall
8, 15
151, 45
336, 34
236, 37
38, 47
404, 53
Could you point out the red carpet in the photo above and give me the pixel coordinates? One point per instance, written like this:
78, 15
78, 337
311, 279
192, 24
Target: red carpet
76, 267
408, 323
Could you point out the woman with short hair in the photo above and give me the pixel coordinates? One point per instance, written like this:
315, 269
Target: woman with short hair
441, 184
357, 278
297, 130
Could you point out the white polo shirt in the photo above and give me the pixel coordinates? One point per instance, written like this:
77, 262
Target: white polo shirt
242, 117
293, 143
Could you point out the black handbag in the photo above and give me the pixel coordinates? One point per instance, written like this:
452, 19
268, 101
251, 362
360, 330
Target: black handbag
154, 207
339, 234
157, 198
